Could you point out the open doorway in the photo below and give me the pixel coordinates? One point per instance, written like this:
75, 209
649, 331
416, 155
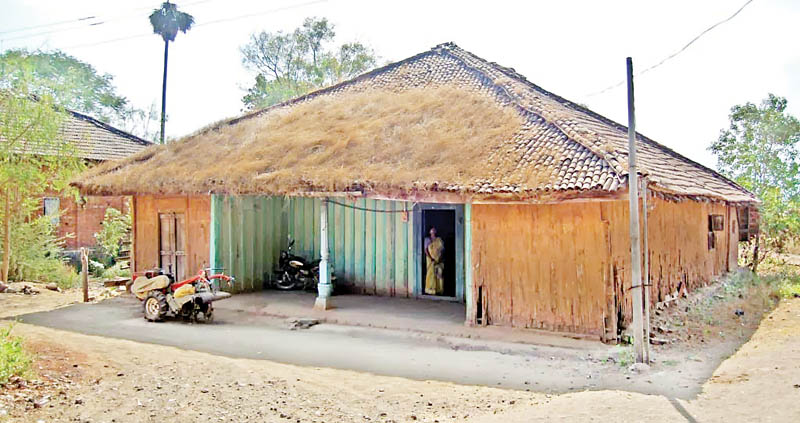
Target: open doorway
444, 221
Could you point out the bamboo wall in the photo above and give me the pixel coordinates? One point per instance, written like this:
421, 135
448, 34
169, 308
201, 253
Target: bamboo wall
566, 267
679, 257
146, 229
539, 266
371, 252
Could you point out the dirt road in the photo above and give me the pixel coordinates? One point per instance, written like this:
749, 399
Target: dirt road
125, 381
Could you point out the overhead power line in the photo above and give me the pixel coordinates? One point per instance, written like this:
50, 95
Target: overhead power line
94, 21
47, 25
679, 51
218, 21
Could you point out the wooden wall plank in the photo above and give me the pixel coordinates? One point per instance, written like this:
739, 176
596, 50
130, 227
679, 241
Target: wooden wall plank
401, 253
389, 239
413, 256
339, 233
359, 252
369, 247
308, 227
349, 243
381, 287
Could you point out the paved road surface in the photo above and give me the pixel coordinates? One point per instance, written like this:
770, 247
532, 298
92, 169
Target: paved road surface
388, 352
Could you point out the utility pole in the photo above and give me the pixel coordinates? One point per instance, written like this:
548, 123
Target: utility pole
646, 269
633, 203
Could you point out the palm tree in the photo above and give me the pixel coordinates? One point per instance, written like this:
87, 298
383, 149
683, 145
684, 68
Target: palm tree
167, 21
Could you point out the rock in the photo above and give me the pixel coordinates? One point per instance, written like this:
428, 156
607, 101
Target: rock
295, 323
78, 401
658, 341
3, 287
41, 402
639, 368
53, 287
739, 312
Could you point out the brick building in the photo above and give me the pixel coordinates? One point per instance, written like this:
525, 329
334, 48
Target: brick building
96, 142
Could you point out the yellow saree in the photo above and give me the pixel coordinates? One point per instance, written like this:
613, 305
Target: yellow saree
434, 280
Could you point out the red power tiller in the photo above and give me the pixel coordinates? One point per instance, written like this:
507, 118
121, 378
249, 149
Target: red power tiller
190, 298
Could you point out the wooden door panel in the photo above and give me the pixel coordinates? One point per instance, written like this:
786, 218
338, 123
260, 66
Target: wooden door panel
172, 238
180, 246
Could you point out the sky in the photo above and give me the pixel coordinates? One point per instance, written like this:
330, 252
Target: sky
572, 48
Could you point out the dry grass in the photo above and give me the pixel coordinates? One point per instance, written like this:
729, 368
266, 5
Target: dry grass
422, 138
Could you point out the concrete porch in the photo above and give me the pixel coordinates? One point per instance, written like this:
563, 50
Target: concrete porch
435, 317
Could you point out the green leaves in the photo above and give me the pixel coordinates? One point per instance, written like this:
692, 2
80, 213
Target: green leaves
115, 230
761, 151
291, 64
89, 92
14, 360
34, 160
168, 20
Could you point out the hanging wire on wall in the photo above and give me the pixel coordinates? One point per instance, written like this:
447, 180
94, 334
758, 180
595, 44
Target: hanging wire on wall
405, 209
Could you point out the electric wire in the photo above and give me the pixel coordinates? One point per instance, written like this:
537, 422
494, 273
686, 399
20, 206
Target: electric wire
217, 21
96, 21
681, 50
405, 209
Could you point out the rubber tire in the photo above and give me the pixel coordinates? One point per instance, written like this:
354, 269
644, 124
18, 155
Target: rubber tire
286, 282
155, 306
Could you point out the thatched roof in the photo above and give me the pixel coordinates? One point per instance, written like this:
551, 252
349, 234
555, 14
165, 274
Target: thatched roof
443, 120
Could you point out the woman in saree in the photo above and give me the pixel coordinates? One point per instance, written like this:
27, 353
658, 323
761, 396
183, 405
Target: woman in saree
434, 255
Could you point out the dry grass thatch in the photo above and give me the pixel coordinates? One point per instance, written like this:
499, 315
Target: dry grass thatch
422, 138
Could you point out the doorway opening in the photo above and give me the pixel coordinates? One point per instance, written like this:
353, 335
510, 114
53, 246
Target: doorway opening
445, 223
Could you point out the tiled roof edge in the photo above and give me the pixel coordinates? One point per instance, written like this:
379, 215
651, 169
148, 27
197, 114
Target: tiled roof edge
450, 46
109, 128
514, 74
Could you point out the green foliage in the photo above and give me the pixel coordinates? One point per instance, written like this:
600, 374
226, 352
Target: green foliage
14, 360
37, 253
167, 20
116, 271
292, 64
34, 158
761, 151
116, 226
90, 92
780, 281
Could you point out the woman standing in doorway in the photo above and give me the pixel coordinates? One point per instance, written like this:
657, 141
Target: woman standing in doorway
434, 254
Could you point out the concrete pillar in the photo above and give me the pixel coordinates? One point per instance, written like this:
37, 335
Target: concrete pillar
324, 287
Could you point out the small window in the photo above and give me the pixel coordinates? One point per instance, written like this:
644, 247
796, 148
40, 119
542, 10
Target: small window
716, 222
712, 240
51, 208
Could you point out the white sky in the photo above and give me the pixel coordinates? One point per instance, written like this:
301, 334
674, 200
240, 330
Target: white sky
569, 47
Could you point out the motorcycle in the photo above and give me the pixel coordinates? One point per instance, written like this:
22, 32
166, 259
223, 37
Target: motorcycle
296, 272
189, 298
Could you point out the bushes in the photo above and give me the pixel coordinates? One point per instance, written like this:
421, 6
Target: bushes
115, 230
14, 360
37, 254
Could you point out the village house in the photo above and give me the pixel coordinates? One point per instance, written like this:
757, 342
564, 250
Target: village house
95, 142
527, 190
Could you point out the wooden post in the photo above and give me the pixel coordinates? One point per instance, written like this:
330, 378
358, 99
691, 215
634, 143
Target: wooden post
324, 288
646, 267
633, 203
85, 273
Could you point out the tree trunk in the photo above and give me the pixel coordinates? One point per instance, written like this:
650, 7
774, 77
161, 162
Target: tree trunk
6, 236
164, 92
755, 253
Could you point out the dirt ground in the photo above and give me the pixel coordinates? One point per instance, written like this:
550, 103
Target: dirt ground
149, 383
45, 299
96, 379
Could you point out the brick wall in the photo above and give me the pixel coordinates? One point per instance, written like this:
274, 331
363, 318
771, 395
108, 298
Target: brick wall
86, 219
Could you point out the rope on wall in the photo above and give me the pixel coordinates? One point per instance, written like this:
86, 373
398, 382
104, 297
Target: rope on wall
405, 207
